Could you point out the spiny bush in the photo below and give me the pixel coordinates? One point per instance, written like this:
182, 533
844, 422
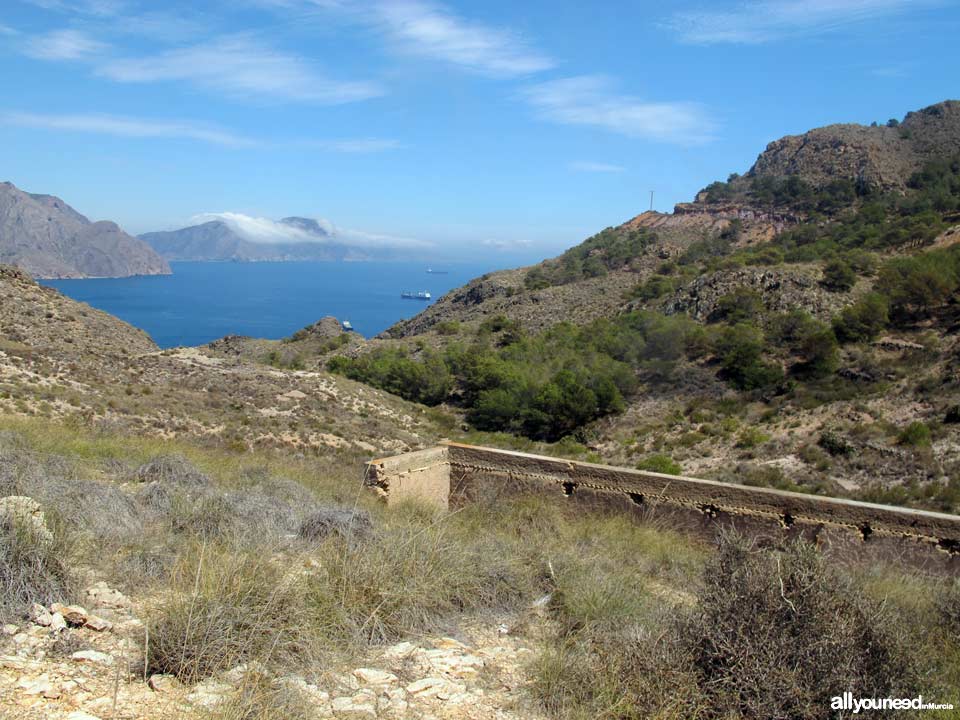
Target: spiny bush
777, 634
342, 522
772, 634
948, 608
171, 470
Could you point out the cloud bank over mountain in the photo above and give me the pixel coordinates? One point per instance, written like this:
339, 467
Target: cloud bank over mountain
304, 230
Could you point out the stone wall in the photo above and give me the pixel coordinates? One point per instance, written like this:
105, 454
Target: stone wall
453, 474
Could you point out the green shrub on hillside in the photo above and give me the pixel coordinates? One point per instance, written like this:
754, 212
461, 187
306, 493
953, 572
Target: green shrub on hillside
740, 349
917, 285
916, 434
812, 342
610, 249
655, 287
863, 320
426, 380
742, 305
661, 464
838, 276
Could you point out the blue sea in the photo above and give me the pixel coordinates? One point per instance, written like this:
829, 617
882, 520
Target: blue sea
201, 302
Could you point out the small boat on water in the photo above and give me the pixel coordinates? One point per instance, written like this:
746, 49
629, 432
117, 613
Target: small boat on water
415, 295
431, 271
347, 326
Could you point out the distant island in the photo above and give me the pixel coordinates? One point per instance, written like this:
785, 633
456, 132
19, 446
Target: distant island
299, 238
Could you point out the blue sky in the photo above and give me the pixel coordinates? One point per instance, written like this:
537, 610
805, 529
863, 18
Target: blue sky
470, 128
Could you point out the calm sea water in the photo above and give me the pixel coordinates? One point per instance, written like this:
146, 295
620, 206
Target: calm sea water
201, 302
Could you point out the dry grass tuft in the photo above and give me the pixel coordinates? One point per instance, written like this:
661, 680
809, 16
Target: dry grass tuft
32, 569
261, 697
225, 608
419, 570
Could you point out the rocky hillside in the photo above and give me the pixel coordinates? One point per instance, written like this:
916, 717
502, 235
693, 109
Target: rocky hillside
49, 239
38, 317
62, 359
778, 193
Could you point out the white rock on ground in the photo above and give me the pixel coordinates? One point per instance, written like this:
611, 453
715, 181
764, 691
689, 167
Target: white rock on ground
92, 656
25, 512
359, 707
372, 676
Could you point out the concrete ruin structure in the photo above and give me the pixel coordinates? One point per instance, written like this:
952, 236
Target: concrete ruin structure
453, 474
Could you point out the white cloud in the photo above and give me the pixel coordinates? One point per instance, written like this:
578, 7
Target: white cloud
239, 66
264, 230
501, 244
63, 45
125, 127
5, 30
597, 167
760, 21
271, 232
146, 128
432, 31
590, 100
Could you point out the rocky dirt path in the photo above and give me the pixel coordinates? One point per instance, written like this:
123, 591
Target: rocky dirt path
80, 663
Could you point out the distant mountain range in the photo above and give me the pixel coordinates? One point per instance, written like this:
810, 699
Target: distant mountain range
49, 239
219, 240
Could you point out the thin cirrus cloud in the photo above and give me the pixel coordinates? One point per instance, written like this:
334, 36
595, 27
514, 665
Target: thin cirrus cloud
271, 232
96, 8
596, 167
762, 21
125, 127
63, 45
429, 30
238, 65
359, 146
590, 100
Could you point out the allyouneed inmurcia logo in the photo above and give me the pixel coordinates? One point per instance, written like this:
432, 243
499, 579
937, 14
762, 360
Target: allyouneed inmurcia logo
848, 702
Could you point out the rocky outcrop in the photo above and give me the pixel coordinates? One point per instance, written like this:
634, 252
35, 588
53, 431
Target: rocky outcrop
780, 289
884, 157
49, 239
